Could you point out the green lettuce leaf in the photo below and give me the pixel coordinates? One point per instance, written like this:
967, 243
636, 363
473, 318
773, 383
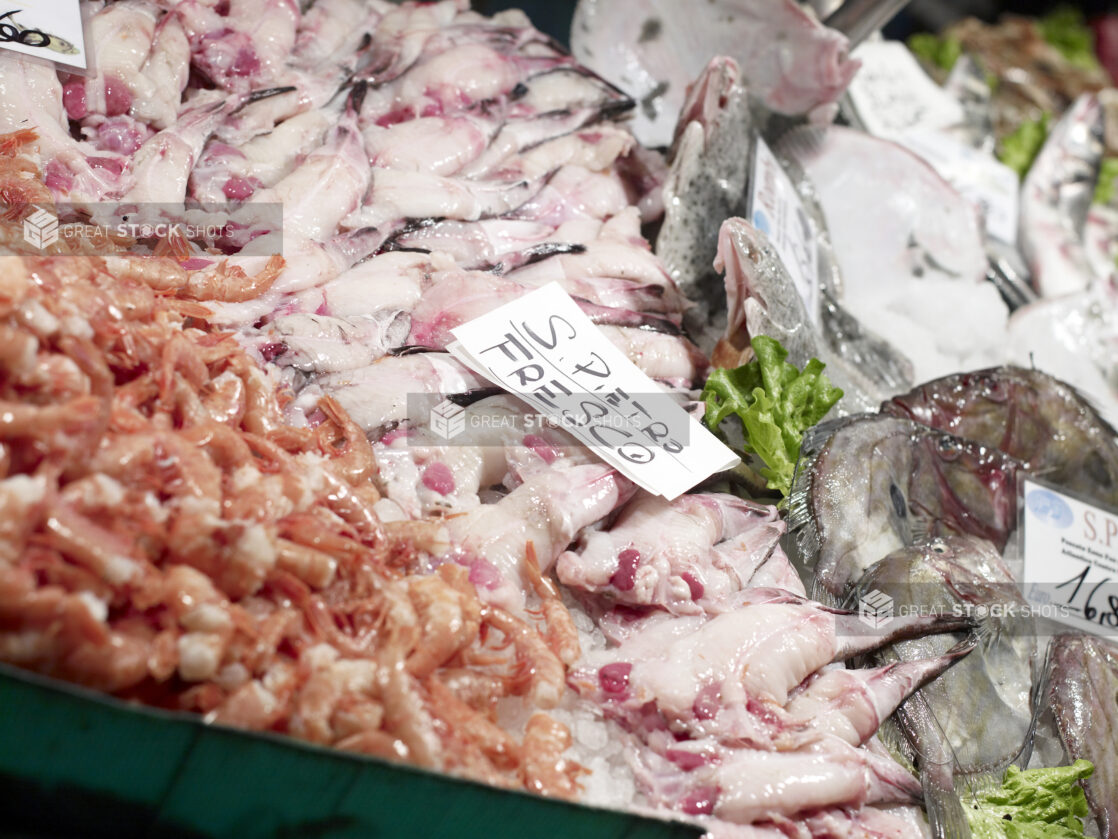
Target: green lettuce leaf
1019, 149
1033, 804
775, 403
1065, 29
1104, 188
942, 51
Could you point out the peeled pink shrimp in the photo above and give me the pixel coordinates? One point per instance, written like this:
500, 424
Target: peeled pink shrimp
547, 510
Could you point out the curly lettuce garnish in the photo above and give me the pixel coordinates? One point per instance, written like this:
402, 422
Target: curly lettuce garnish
1065, 29
1033, 804
939, 50
1019, 149
1105, 187
775, 403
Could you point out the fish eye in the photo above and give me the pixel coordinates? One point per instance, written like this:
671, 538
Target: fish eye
948, 446
938, 547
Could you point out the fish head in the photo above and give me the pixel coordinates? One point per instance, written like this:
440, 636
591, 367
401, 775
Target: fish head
710, 94
848, 506
761, 297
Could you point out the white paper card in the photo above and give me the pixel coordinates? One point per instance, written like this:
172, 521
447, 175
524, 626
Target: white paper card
542, 348
892, 94
1071, 559
979, 177
776, 210
48, 29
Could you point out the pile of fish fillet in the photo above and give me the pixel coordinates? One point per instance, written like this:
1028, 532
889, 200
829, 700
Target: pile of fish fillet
216, 501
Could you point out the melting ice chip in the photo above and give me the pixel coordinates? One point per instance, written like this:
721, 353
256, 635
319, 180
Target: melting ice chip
1049, 507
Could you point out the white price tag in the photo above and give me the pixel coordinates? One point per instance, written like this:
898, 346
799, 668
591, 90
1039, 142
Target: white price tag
49, 29
542, 348
979, 177
776, 210
1071, 559
892, 94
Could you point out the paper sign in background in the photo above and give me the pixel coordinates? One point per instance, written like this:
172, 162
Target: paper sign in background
47, 29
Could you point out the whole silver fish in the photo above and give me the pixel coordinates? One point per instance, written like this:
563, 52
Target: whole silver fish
961, 575
706, 181
1029, 415
1084, 693
1056, 196
762, 299
869, 485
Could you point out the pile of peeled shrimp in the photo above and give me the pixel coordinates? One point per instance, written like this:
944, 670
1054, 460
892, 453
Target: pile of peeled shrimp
165, 536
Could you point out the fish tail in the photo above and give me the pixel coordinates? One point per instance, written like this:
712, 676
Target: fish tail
937, 762
945, 811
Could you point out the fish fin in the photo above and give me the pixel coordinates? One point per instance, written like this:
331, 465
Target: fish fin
945, 811
821, 595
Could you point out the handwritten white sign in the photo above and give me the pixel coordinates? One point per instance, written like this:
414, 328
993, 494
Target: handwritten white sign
544, 349
47, 29
892, 94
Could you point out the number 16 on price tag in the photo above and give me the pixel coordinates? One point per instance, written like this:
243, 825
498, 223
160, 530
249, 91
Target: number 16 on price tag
1071, 559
